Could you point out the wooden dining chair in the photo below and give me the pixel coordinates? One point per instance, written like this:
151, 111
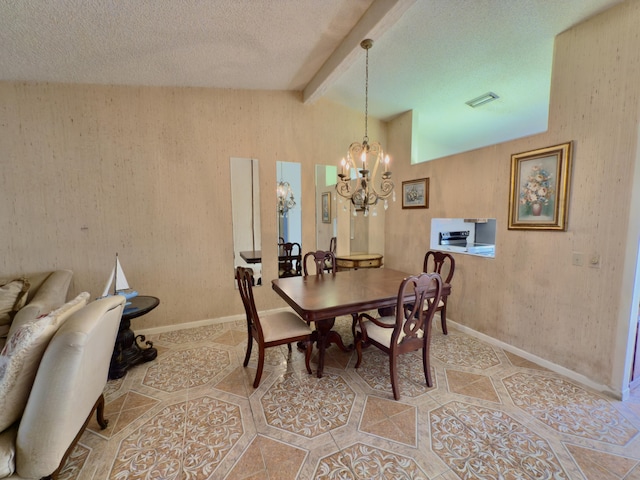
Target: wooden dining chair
444, 264
289, 259
325, 262
408, 330
270, 330
333, 243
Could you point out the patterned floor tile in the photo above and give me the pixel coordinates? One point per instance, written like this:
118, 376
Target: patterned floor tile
306, 405
518, 361
268, 458
596, 464
185, 440
568, 408
478, 442
389, 419
364, 462
232, 338
121, 412
239, 382
183, 369
456, 350
478, 386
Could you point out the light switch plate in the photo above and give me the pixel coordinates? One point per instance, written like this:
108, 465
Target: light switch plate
577, 259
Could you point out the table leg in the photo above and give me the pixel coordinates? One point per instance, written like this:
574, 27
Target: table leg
326, 337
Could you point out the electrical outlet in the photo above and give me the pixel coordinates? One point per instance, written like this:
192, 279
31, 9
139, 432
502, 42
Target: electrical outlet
594, 260
577, 259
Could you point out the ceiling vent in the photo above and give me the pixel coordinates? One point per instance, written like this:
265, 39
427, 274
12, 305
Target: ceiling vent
482, 99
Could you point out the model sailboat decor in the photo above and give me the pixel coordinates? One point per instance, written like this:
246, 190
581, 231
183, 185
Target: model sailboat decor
119, 283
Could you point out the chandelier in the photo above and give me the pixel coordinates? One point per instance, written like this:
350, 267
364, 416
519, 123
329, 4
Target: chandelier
285, 196
364, 193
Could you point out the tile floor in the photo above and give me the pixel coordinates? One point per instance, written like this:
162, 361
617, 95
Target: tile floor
193, 414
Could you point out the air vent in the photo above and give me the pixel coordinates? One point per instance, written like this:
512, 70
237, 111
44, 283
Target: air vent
482, 99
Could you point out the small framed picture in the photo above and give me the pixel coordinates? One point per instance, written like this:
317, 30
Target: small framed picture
326, 207
539, 192
415, 193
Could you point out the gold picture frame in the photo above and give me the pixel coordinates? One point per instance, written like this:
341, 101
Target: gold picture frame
539, 192
415, 193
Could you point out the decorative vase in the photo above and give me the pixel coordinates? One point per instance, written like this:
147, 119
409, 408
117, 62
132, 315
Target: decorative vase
536, 209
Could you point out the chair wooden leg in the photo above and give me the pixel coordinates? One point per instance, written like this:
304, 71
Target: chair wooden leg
393, 371
426, 366
103, 422
307, 355
256, 382
289, 347
249, 347
358, 341
353, 326
443, 317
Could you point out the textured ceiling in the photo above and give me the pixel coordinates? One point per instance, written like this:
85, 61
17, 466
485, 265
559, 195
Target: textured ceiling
429, 56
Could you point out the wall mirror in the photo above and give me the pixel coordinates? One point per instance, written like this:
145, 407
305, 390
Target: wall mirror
245, 206
288, 203
326, 205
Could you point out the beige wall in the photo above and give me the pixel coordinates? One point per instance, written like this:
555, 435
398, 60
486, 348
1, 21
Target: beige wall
531, 296
88, 171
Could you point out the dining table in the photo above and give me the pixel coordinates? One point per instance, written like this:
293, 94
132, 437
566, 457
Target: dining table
322, 298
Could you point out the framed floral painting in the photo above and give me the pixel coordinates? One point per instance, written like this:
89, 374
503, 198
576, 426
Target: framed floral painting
415, 193
540, 188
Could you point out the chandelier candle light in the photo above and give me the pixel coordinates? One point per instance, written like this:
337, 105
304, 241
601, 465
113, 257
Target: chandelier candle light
364, 193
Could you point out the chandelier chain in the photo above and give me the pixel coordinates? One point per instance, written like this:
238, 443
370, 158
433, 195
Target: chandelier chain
366, 96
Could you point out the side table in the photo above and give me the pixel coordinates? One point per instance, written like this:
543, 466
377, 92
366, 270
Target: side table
358, 260
127, 351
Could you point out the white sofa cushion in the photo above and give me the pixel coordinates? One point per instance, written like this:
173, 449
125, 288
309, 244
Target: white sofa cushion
21, 355
13, 296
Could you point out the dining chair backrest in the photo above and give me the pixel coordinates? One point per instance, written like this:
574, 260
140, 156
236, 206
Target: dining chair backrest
444, 264
333, 244
244, 277
412, 321
324, 262
289, 259
440, 262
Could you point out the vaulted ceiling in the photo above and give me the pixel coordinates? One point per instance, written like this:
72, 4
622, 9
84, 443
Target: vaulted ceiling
429, 56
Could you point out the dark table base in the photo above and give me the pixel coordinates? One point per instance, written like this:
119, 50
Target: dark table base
131, 349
